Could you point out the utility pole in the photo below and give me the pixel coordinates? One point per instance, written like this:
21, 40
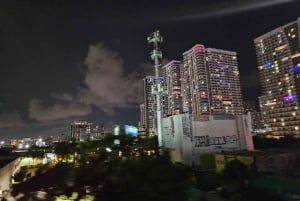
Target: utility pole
156, 56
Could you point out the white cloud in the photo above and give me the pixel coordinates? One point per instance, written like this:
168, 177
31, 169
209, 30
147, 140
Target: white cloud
108, 87
63, 96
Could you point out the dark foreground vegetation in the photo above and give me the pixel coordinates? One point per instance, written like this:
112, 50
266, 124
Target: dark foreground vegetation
288, 141
102, 171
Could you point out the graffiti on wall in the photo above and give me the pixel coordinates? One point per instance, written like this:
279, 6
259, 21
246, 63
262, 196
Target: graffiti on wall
206, 140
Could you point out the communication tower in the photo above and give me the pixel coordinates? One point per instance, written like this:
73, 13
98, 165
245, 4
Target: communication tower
156, 56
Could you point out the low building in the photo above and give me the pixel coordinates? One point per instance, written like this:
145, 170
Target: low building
275, 161
188, 139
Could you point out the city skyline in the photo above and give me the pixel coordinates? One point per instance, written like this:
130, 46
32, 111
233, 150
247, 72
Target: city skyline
65, 61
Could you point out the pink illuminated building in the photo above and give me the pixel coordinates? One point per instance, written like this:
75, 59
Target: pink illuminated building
210, 82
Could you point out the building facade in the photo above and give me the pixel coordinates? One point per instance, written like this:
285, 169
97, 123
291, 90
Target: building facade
211, 83
142, 123
172, 98
83, 130
148, 109
188, 140
278, 58
9, 166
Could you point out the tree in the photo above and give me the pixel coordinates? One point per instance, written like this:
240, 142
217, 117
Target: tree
236, 176
21, 175
147, 179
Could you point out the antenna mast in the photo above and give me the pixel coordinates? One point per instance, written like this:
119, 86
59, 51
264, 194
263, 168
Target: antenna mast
156, 56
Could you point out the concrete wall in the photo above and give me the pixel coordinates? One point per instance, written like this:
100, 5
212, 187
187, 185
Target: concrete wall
221, 160
6, 173
188, 139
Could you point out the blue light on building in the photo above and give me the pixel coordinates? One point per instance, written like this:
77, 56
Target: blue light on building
268, 64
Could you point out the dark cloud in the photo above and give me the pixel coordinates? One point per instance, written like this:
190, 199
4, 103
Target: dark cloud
57, 111
10, 120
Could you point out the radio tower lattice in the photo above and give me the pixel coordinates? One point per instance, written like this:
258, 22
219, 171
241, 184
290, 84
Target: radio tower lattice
156, 56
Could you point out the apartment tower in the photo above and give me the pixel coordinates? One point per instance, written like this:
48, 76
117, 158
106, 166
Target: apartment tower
278, 58
210, 82
172, 99
148, 112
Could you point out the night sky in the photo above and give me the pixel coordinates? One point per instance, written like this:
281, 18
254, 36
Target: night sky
66, 60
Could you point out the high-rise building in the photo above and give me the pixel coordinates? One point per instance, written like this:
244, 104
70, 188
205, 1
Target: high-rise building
142, 123
172, 88
83, 130
80, 130
263, 111
149, 113
211, 83
278, 58
256, 118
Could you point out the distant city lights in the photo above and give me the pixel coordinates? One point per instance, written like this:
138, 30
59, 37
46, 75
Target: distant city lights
131, 130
